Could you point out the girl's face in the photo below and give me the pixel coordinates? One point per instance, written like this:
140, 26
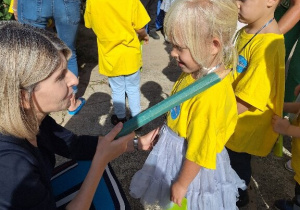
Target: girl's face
185, 60
54, 93
250, 10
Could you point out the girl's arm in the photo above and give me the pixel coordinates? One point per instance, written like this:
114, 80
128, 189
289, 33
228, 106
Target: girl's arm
242, 106
297, 90
290, 18
284, 127
187, 174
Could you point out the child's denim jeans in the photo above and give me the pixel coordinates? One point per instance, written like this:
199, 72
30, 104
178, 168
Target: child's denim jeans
66, 16
129, 84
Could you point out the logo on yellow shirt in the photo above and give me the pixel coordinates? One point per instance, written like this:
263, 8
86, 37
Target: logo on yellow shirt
242, 64
175, 112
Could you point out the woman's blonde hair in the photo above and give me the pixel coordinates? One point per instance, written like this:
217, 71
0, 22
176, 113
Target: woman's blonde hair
27, 57
192, 23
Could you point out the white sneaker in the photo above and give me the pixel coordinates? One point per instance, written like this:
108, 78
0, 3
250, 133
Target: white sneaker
288, 166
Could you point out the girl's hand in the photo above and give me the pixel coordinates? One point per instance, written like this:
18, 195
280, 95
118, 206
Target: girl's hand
280, 125
178, 192
148, 141
109, 148
144, 38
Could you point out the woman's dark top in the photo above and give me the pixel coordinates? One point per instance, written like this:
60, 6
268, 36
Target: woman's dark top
25, 170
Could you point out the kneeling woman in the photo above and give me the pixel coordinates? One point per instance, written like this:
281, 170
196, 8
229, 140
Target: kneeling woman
34, 82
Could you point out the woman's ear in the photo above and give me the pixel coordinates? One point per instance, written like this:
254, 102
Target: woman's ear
25, 99
216, 46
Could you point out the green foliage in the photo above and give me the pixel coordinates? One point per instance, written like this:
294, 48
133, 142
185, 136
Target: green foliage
4, 14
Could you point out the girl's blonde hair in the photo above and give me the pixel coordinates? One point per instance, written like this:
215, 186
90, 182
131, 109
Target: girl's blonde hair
193, 23
27, 57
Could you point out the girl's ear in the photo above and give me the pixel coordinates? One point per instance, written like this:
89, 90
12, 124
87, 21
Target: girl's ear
25, 99
216, 46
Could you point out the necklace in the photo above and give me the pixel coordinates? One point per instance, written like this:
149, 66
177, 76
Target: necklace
259, 30
212, 69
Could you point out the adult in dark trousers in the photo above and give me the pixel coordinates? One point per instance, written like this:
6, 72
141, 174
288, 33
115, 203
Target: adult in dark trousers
151, 7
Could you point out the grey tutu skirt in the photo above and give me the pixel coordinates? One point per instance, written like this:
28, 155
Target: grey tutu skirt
210, 189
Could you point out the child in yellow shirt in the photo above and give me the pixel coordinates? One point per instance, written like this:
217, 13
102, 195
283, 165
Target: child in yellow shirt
119, 27
258, 85
190, 159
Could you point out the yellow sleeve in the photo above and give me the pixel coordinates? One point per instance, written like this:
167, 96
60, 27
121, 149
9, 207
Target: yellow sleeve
10, 10
87, 15
256, 85
140, 17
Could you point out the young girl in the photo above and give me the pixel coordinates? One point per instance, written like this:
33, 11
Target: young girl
189, 159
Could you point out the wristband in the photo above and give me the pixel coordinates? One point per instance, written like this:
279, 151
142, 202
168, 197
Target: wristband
136, 144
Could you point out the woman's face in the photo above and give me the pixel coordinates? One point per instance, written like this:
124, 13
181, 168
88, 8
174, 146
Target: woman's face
54, 93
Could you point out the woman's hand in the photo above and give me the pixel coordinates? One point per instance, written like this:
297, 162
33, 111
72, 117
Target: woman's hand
109, 148
178, 192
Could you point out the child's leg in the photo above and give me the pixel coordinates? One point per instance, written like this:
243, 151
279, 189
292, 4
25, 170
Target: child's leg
117, 85
67, 18
241, 163
297, 195
288, 204
296, 168
133, 92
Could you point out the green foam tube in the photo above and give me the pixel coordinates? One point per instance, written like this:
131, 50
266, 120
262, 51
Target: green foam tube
164, 106
278, 147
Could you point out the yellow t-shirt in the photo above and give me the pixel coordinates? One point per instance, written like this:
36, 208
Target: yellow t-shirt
115, 23
259, 81
206, 121
10, 10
